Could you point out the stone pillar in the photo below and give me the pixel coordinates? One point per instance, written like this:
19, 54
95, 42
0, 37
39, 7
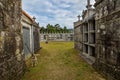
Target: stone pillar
12, 63
78, 17
88, 4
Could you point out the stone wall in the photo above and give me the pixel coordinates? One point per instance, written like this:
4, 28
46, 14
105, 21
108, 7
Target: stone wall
12, 63
36, 34
108, 38
78, 35
57, 36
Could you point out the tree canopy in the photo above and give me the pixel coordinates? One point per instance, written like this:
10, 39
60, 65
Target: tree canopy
54, 29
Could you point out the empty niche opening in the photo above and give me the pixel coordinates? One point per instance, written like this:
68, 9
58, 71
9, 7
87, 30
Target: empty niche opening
86, 37
92, 38
86, 49
92, 25
92, 51
86, 27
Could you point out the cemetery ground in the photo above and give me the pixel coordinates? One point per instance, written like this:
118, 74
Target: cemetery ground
60, 61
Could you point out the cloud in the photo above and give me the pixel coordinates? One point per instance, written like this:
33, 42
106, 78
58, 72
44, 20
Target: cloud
63, 12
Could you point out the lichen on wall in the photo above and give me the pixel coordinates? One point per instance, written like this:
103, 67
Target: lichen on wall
108, 38
12, 64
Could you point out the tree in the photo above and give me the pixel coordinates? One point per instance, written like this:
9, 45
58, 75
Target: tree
42, 30
54, 29
65, 29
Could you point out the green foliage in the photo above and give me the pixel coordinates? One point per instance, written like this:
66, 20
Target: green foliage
54, 29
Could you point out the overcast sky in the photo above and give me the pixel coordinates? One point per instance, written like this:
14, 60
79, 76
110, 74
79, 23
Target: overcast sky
63, 12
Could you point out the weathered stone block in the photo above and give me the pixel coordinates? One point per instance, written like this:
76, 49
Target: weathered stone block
108, 39
12, 64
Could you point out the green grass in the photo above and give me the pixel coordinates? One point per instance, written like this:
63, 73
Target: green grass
59, 61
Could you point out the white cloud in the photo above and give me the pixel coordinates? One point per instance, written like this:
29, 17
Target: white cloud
63, 12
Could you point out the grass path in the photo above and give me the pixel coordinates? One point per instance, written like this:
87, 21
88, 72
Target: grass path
59, 61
